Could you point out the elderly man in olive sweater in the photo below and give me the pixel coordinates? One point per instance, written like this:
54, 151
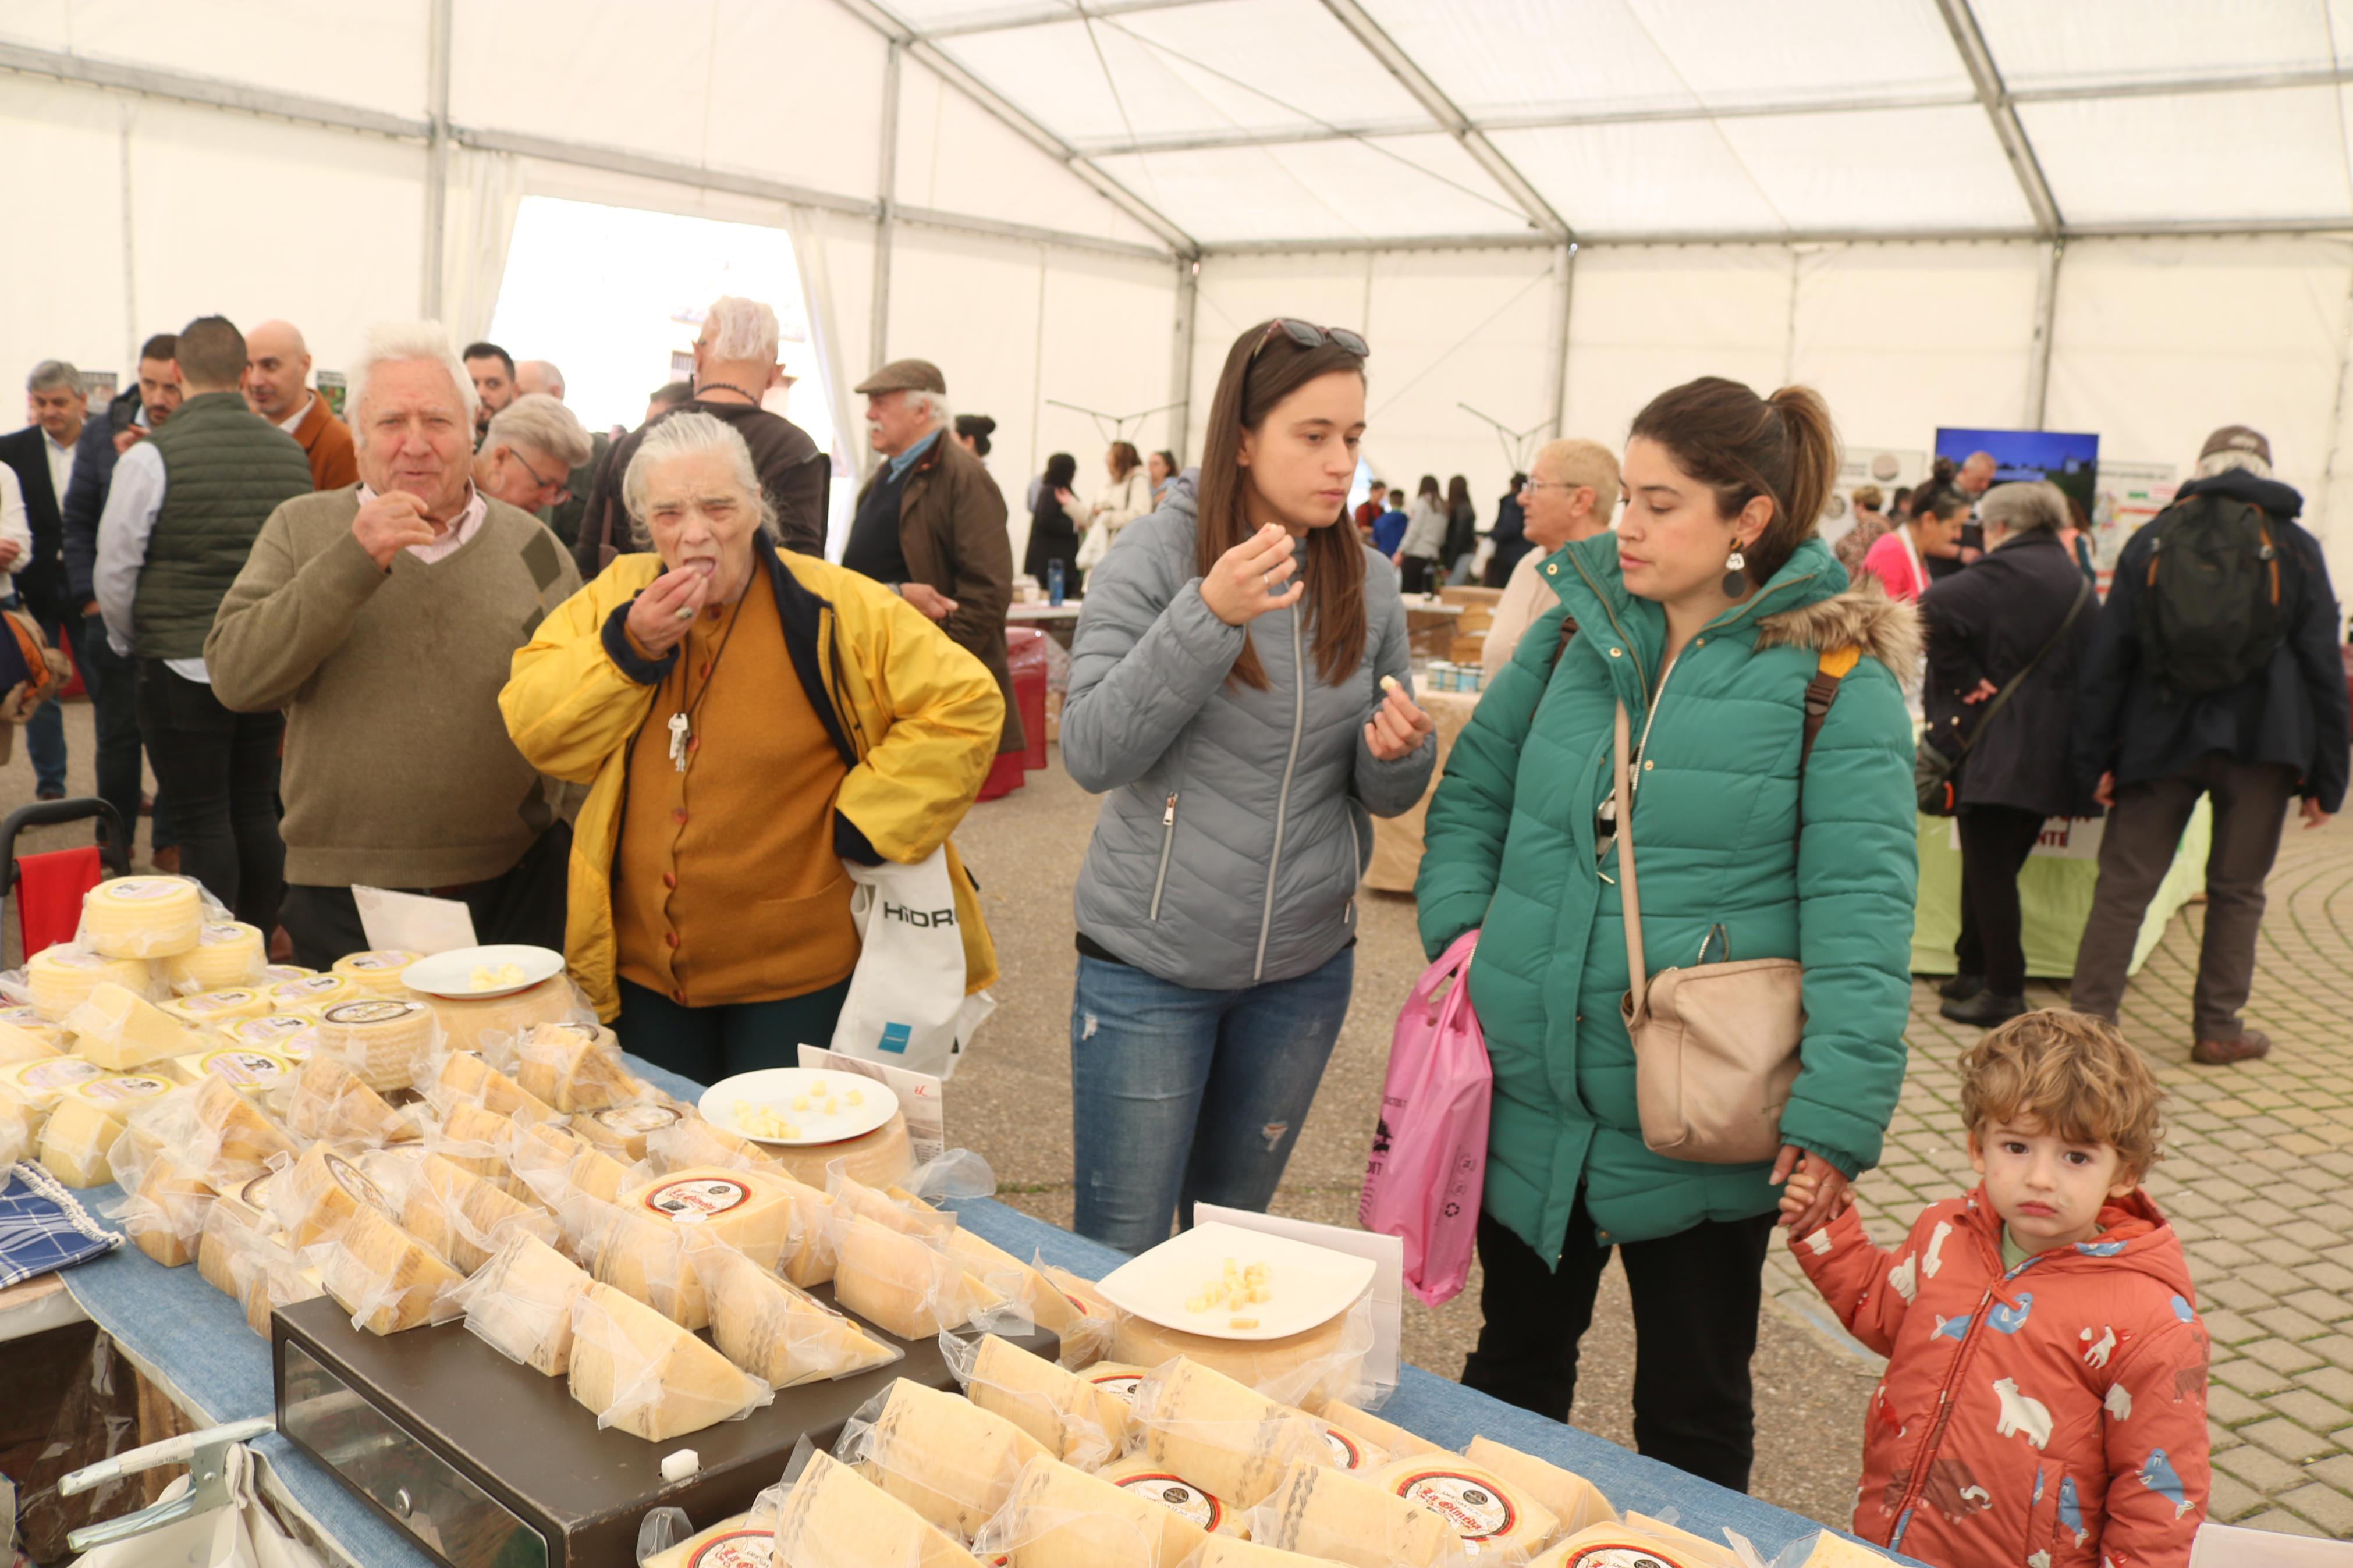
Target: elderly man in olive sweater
381, 619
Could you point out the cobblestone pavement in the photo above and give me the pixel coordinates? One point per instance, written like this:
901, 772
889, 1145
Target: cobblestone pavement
2257, 1178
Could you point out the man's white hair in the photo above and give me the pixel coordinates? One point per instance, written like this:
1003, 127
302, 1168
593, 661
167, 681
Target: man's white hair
2223, 462
691, 434
396, 342
2025, 507
934, 405
741, 328
542, 423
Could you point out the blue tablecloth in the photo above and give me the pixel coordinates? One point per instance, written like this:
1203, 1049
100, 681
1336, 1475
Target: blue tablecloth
170, 1319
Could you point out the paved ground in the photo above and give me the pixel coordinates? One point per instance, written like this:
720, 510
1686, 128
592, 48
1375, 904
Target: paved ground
2259, 1176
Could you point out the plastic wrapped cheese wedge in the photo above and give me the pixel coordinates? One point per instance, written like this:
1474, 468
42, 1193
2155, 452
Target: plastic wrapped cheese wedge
776, 1332
383, 1039
1196, 1514
574, 1066
480, 1140
828, 1515
165, 1208
621, 1130
1328, 1513
1606, 1545
1077, 1422
1009, 1276
465, 1077
810, 1261
86, 1121
1059, 1517
385, 1278
1224, 1551
227, 954
1306, 1369
1487, 1509
22, 1045
463, 1217
945, 1457
208, 1010
643, 1257
1351, 1452
1577, 1503
59, 979
120, 1030
689, 1142
318, 1196
234, 1140
1088, 1338
376, 973
265, 1275
553, 1164
750, 1211
33, 1087
327, 1102
730, 1543
141, 917
1232, 1439
906, 1287
646, 1375
520, 1303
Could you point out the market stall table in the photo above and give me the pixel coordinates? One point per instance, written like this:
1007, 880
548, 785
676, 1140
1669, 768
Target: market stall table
191, 1342
1059, 622
1397, 841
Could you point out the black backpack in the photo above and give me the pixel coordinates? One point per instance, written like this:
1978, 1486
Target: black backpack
2211, 613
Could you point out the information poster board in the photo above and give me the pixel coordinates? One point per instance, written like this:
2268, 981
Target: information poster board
2128, 495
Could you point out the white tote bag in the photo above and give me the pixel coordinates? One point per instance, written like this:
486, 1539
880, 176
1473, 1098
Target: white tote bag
907, 1005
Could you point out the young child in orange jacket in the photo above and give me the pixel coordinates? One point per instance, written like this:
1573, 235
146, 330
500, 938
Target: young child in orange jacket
2045, 1397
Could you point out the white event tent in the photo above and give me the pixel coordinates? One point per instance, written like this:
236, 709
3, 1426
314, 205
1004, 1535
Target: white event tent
2130, 218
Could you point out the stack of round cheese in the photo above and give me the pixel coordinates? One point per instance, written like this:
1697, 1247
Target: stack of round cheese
60, 979
211, 1009
378, 974
227, 954
143, 917
309, 992
382, 1039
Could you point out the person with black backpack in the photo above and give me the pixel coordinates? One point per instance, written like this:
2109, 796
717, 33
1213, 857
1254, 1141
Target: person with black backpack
2215, 673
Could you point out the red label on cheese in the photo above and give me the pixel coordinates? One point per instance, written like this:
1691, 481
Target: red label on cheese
736, 1549
1120, 1383
1621, 1557
697, 1198
1344, 1448
1470, 1504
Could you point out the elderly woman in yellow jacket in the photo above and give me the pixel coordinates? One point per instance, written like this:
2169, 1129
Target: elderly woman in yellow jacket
745, 720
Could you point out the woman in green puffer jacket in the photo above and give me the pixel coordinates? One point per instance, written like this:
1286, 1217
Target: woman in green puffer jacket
1707, 613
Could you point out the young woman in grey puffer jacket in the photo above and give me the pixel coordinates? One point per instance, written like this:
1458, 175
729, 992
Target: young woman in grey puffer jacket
1240, 693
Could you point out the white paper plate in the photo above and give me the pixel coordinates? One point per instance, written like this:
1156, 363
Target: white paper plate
452, 973
1307, 1286
776, 1089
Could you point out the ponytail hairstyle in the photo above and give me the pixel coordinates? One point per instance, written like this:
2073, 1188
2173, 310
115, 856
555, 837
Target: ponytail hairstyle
1264, 367
1742, 445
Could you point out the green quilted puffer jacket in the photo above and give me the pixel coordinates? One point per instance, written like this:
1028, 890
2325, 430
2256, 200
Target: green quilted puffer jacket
1510, 847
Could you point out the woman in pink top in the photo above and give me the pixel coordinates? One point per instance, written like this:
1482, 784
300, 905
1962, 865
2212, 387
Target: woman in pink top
1898, 558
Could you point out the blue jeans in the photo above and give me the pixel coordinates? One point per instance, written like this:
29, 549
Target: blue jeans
111, 681
1146, 1057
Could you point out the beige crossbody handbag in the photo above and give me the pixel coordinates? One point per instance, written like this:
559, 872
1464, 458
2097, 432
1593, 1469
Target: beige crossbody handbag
1715, 1045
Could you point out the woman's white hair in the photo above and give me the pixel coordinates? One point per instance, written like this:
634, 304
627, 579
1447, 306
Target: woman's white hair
2024, 508
542, 423
691, 434
395, 342
741, 328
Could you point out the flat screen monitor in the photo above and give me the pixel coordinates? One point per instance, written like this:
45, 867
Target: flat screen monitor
2070, 459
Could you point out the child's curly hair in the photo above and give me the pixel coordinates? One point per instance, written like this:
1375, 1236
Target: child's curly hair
2071, 1072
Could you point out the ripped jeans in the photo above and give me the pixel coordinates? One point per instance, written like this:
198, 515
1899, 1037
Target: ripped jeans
1148, 1057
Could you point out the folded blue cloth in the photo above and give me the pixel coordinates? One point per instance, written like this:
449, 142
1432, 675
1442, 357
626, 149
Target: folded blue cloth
44, 1226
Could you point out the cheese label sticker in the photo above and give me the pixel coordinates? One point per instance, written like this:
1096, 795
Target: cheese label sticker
117, 1089
376, 962
23, 1017
637, 1117
1467, 1504
257, 1191
1344, 1448
215, 1001
347, 1176
65, 960
58, 1072
141, 888
220, 934
698, 1198
736, 1549
263, 1031
308, 985
1621, 1557
383, 1011
1120, 1383
1179, 1496
245, 1067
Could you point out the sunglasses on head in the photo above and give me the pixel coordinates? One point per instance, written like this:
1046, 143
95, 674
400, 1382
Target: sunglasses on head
1309, 336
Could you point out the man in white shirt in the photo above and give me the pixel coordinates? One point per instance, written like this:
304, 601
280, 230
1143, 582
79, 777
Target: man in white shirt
1571, 494
41, 454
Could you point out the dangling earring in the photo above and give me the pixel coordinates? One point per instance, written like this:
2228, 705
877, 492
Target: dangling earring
1736, 580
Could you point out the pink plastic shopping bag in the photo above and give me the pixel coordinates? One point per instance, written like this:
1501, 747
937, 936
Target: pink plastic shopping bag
1429, 1164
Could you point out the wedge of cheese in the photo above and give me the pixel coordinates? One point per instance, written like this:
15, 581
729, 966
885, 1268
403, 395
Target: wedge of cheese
730, 1543
267, 1276
227, 954
22, 1045
551, 1162
1059, 1516
647, 1376
28, 1020
17, 1140
463, 1217
691, 1141
465, 1077
383, 1039
33, 1087
208, 1010
59, 979
810, 1262
574, 1066
238, 1140
320, 1197
1193, 1515
1350, 1452
377, 973
1076, 1421
86, 1121
901, 1283
1088, 1338
621, 1130
120, 1030
1481, 1506
1009, 1276
165, 1215
385, 1278
945, 1457
777, 1333
832, 1517
143, 917
1577, 1503
328, 1102
1328, 1513
475, 1138
520, 1303
1232, 1439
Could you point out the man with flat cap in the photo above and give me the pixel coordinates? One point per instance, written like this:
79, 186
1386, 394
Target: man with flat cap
931, 523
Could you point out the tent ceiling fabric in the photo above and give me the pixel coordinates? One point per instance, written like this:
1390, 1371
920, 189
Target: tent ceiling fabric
1254, 122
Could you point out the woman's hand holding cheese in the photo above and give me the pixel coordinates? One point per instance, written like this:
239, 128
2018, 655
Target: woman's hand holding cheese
1398, 725
660, 615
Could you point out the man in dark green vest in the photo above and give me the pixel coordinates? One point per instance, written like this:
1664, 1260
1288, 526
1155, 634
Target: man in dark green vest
181, 517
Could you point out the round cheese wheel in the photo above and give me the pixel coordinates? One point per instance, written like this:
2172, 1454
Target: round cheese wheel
1479, 1505
227, 954
730, 1543
143, 917
377, 973
877, 1159
271, 974
1626, 1546
382, 1039
59, 979
1575, 1502
1278, 1365
313, 992
210, 1009
466, 1020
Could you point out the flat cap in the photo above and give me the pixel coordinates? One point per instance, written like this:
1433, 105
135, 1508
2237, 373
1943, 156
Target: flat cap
906, 375
2236, 439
